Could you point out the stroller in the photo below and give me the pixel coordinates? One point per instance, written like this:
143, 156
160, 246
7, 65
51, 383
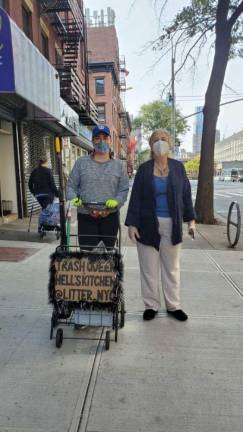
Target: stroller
49, 217
49, 220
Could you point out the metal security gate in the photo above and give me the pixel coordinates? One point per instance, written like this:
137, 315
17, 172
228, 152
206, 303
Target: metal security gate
36, 141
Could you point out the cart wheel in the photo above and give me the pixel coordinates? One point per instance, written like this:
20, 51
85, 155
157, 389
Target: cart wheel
107, 340
122, 315
59, 338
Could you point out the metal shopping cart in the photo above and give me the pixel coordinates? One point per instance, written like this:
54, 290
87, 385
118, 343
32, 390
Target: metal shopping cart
85, 286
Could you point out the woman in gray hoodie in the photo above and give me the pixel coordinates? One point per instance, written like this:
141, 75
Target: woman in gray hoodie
98, 178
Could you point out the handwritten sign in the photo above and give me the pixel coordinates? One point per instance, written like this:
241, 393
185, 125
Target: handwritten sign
83, 279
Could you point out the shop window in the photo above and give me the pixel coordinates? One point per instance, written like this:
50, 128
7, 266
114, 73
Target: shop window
100, 86
27, 22
101, 113
45, 45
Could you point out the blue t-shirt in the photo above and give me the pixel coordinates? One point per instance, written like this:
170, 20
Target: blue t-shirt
160, 187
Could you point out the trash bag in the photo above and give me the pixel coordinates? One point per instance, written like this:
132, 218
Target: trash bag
100, 248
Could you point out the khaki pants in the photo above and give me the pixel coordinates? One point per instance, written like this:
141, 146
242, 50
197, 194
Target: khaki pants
165, 261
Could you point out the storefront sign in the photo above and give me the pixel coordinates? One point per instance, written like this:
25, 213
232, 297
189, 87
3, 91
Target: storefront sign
85, 132
26, 72
82, 279
69, 118
6, 55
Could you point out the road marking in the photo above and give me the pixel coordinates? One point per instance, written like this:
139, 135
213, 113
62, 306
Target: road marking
222, 195
237, 194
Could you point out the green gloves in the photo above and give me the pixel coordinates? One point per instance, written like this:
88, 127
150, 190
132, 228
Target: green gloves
111, 203
76, 202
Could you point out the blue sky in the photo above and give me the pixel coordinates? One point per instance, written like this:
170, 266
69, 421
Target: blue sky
137, 26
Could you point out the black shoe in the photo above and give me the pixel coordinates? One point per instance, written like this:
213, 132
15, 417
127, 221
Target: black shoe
178, 314
149, 314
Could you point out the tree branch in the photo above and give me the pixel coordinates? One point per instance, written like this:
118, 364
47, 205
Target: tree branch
235, 15
190, 50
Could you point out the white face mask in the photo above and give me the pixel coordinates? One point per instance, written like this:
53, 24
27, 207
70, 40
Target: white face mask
161, 148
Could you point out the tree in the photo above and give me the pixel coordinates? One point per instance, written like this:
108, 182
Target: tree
192, 167
143, 156
157, 115
191, 30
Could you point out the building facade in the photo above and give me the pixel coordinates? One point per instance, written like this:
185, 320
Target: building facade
107, 78
229, 149
44, 90
198, 130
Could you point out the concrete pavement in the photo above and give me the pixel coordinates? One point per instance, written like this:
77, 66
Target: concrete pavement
161, 375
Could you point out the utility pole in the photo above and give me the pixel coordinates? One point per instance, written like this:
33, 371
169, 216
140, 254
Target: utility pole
173, 102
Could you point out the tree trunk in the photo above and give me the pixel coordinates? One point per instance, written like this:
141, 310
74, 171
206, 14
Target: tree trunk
205, 191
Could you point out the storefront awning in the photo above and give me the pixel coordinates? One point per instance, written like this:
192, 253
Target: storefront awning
84, 139
28, 82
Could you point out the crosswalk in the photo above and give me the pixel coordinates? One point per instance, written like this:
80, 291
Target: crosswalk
223, 194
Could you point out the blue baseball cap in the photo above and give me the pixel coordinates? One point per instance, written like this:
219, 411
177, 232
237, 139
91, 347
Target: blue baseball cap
101, 129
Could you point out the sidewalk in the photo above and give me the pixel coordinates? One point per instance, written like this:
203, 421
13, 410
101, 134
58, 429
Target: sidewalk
161, 376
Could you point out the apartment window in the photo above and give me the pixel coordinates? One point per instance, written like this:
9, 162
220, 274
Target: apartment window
58, 56
27, 22
45, 45
3, 4
101, 113
100, 86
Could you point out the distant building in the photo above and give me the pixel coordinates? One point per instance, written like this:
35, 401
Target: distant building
198, 130
107, 77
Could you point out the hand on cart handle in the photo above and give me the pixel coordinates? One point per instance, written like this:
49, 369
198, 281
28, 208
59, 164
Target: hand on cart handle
111, 203
76, 202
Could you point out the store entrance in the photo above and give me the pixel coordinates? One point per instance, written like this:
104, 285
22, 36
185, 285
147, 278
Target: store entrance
8, 191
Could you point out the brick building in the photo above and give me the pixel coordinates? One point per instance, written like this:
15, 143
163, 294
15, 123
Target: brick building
107, 73
44, 90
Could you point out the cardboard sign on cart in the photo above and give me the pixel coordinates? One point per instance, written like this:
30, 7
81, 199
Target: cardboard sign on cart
84, 279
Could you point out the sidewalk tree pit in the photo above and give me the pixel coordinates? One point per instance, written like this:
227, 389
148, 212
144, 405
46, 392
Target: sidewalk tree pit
83, 279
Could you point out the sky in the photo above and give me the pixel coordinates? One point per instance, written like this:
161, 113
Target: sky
137, 23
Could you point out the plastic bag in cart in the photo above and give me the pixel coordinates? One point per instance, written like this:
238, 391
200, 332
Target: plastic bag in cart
100, 248
50, 215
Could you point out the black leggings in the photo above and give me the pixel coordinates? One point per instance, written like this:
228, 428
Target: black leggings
91, 231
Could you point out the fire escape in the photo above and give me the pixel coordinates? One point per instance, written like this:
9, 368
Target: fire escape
124, 121
67, 19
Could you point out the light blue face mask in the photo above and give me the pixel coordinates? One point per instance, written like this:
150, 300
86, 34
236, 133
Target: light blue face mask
102, 147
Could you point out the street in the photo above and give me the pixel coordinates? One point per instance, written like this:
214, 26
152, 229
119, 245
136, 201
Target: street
224, 194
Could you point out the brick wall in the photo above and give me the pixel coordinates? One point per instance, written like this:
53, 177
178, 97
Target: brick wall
103, 44
40, 24
103, 47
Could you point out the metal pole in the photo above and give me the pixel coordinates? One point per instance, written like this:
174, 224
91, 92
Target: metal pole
1, 203
173, 105
58, 145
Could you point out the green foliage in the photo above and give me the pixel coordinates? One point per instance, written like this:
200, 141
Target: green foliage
157, 115
143, 156
192, 166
